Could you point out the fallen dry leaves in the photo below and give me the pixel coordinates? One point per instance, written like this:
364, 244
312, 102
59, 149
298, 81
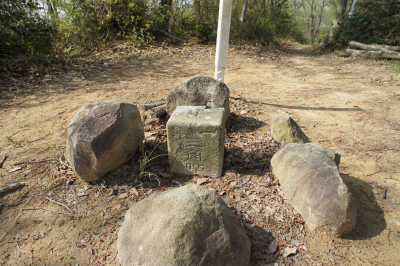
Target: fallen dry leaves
247, 185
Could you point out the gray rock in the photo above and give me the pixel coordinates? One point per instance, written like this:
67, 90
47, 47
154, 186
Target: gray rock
151, 141
311, 182
273, 246
196, 140
334, 155
285, 130
199, 91
190, 225
102, 136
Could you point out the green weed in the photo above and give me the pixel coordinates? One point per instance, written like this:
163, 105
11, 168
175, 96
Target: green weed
16, 143
394, 66
144, 162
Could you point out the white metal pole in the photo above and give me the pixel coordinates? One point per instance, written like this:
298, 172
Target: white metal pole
224, 24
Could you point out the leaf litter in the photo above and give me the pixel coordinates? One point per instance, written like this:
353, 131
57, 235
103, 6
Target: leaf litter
247, 185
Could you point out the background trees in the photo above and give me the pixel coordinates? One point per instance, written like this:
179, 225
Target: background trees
374, 21
40, 27
23, 29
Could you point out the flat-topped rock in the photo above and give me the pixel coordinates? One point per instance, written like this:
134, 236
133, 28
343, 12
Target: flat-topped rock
199, 91
102, 136
196, 140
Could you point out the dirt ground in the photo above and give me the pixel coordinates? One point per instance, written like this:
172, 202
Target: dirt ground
350, 105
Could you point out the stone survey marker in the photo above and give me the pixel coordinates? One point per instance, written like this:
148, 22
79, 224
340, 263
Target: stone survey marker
196, 140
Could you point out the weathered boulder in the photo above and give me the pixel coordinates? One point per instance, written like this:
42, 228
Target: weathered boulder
334, 155
311, 182
102, 136
199, 91
285, 130
190, 225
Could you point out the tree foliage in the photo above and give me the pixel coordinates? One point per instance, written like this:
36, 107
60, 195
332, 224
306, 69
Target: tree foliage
374, 21
265, 20
71, 26
314, 17
22, 29
86, 24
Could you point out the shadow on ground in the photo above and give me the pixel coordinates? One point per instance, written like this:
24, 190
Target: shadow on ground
245, 151
311, 108
370, 217
238, 123
260, 239
302, 50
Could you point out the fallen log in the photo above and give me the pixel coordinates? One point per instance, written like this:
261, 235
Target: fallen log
374, 54
171, 36
151, 112
11, 188
377, 47
152, 105
179, 40
160, 110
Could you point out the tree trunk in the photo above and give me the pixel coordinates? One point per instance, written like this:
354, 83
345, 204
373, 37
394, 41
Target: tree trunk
166, 6
383, 48
244, 10
320, 17
52, 11
334, 34
312, 25
197, 8
374, 54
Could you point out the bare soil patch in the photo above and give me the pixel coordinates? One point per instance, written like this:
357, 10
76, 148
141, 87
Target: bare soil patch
350, 105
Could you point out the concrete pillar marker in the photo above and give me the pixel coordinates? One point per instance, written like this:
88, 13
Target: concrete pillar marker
224, 24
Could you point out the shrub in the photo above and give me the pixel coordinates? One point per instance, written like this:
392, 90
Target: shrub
87, 24
22, 28
374, 22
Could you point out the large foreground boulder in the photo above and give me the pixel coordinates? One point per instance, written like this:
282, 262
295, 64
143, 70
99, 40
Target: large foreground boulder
310, 181
190, 225
285, 130
199, 91
102, 136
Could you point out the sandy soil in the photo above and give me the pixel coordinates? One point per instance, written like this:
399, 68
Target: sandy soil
350, 105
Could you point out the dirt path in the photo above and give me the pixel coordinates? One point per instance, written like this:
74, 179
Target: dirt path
350, 105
